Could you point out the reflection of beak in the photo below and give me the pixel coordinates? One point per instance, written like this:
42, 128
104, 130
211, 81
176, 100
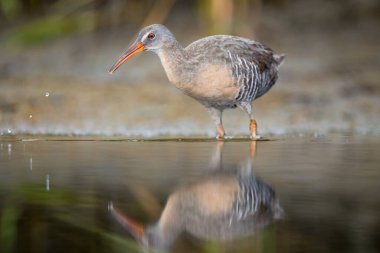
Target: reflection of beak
135, 48
135, 229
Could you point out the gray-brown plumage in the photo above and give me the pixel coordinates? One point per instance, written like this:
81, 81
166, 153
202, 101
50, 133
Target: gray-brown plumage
220, 207
223, 205
219, 71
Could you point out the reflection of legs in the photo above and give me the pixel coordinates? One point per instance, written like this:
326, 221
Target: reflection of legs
247, 169
252, 154
216, 160
247, 107
252, 150
216, 116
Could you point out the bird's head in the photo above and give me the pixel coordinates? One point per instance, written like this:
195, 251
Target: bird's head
150, 38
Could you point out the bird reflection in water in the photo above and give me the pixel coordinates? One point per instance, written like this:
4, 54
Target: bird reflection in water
223, 206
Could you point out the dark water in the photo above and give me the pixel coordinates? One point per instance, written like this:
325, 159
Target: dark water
54, 195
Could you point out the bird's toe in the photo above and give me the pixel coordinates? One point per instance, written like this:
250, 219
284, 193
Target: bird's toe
219, 137
255, 137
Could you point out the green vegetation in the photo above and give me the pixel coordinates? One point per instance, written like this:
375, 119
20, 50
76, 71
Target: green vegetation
8, 228
33, 212
44, 29
33, 22
10, 8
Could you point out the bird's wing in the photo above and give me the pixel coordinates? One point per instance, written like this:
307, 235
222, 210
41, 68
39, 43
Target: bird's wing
252, 64
254, 197
223, 47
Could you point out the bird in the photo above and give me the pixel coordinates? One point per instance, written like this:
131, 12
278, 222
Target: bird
219, 71
221, 207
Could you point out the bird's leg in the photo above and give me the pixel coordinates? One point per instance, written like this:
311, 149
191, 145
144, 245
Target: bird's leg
253, 128
220, 131
247, 107
216, 116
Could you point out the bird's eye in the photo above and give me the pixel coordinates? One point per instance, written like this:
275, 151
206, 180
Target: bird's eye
151, 36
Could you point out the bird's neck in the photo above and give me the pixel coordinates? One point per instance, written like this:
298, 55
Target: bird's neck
174, 60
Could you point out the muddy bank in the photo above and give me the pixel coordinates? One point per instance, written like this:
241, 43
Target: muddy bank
328, 83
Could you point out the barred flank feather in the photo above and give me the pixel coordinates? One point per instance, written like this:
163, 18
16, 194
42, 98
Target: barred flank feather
253, 197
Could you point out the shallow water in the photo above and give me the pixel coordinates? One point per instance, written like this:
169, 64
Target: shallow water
55, 193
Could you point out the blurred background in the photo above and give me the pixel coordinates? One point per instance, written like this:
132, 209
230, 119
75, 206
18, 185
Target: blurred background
54, 57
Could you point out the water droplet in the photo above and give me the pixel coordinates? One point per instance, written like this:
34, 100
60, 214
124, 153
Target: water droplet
31, 163
30, 116
47, 182
9, 131
47, 94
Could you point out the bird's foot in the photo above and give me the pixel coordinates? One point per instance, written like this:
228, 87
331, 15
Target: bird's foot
225, 137
255, 137
220, 132
220, 137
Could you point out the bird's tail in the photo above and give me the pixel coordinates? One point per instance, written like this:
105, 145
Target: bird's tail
279, 58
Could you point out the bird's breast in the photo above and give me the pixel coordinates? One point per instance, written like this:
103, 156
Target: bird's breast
213, 83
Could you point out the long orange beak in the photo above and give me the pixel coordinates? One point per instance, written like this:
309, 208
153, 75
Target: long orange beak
135, 48
135, 229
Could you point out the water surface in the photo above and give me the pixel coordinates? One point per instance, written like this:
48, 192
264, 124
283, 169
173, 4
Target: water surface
55, 193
